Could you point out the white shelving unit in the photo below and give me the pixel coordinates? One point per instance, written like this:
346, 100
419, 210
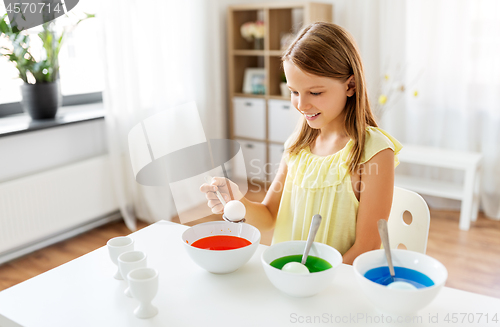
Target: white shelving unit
468, 192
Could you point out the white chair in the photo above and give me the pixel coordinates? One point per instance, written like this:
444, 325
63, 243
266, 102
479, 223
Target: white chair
413, 236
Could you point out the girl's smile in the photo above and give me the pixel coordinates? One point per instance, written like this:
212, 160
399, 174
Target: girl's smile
311, 116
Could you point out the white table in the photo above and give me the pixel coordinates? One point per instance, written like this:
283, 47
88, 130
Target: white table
468, 192
84, 293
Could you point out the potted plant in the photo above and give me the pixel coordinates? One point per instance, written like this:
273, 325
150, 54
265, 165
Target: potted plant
254, 31
41, 92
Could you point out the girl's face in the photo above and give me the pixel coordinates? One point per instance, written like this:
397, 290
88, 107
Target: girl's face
321, 100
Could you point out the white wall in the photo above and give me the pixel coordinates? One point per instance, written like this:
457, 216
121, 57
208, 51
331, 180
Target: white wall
31, 152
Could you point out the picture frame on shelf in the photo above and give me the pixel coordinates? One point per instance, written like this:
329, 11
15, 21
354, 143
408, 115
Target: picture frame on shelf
254, 81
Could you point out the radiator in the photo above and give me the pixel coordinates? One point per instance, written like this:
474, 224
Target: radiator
43, 208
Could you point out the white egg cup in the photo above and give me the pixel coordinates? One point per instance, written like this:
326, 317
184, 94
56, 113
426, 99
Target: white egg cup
117, 246
129, 261
144, 286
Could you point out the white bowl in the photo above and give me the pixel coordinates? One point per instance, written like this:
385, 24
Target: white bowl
221, 261
397, 301
297, 284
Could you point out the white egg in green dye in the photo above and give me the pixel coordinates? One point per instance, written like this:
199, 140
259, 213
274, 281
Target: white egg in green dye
296, 268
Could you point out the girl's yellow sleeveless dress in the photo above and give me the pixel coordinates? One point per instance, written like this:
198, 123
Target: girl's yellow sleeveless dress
322, 185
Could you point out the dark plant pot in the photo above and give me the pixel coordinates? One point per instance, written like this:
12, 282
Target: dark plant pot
41, 101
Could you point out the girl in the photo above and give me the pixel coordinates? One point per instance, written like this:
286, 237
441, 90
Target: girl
338, 164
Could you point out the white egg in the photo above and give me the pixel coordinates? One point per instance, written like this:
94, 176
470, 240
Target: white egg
401, 286
296, 268
235, 210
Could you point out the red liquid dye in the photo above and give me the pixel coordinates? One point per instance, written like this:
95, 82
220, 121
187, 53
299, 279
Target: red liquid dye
221, 242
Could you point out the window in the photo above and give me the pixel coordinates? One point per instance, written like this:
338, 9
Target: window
80, 61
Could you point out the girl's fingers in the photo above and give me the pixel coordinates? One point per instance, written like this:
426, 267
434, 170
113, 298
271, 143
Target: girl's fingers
213, 196
218, 181
218, 209
208, 188
205, 188
216, 206
213, 203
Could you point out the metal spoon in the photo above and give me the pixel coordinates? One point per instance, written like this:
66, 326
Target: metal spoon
384, 235
208, 179
315, 222
296, 267
392, 281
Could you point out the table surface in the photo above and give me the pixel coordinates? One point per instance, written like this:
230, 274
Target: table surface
84, 293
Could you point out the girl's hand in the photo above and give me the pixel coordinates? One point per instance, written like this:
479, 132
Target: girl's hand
223, 185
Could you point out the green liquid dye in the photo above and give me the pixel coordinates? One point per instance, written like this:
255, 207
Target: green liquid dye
314, 264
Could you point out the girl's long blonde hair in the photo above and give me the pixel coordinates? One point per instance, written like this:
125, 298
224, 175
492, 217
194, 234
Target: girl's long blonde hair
328, 50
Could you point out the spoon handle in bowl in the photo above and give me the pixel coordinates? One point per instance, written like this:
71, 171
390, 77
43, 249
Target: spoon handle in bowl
315, 222
384, 235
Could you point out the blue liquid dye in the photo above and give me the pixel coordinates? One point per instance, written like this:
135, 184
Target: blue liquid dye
382, 276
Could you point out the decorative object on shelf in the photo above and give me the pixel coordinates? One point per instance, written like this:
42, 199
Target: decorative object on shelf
41, 92
392, 88
286, 39
254, 31
285, 91
255, 81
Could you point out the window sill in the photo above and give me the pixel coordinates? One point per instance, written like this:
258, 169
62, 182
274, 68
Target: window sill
22, 123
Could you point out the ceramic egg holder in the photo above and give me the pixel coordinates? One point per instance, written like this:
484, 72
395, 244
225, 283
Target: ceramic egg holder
142, 282
144, 286
116, 246
129, 261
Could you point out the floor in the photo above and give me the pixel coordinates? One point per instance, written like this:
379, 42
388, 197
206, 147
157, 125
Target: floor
472, 258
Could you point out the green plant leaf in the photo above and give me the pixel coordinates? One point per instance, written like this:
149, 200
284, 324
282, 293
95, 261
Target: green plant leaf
46, 70
4, 27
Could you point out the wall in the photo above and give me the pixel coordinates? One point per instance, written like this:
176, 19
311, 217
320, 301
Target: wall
35, 151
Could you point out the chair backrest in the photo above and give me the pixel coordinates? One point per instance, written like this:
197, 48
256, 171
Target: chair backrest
413, 236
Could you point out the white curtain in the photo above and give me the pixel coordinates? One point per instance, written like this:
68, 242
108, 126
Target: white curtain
447, 51
157, 54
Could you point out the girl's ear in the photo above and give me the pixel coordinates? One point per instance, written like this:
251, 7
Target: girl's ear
351, 86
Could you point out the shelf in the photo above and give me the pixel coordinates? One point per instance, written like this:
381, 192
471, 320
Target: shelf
278, 97
249, 52
430, 187
439, 157
276, 53
250, 95
244, 138
261, 96
272, 53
